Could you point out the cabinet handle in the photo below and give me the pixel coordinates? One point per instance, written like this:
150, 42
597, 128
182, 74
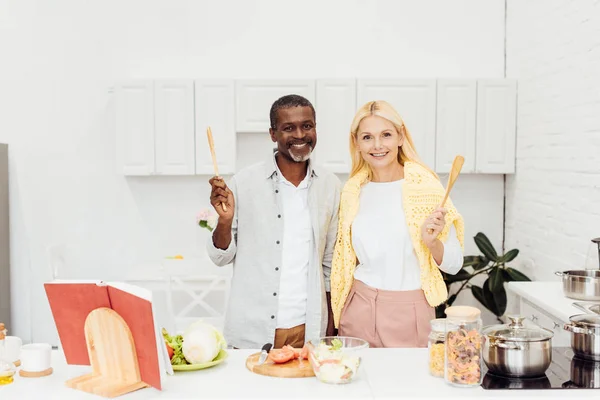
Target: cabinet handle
556, 325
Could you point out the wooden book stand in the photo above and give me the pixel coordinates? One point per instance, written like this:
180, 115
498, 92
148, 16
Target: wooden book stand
115, 369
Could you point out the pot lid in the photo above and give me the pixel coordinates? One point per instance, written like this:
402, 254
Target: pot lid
517, 332
586, 320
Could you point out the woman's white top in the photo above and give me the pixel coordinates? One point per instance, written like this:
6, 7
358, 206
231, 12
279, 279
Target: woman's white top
382, 242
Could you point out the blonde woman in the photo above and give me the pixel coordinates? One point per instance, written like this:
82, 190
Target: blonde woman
393, 238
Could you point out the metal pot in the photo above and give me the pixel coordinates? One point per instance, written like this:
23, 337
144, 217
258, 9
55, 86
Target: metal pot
517, 351
585, 336
499, 382
585, 373
581, 284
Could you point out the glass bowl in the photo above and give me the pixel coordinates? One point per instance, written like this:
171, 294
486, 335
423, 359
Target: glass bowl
335, 359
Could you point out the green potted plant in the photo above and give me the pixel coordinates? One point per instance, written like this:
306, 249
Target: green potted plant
492, 294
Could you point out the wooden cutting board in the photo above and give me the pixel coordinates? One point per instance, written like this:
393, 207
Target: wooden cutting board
291, 369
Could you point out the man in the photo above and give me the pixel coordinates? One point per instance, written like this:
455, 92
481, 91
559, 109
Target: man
278, 225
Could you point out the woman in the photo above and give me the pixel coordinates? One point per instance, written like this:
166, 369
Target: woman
393, 238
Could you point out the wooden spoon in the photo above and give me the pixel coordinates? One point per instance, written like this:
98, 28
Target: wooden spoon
211, 145
457, 165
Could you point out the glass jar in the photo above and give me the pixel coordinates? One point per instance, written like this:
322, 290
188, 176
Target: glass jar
7, 368
463, 361
435, 345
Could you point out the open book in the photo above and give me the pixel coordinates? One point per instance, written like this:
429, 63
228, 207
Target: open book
71, 301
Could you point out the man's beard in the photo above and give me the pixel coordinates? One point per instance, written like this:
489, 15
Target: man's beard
300, 157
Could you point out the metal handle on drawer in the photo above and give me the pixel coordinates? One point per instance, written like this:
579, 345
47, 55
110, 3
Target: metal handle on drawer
533, 318
556, 325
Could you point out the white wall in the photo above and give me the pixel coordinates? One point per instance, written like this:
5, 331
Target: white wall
60, 57
553, 199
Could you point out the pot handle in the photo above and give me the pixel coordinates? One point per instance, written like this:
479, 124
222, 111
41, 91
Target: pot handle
576, 329
559, 273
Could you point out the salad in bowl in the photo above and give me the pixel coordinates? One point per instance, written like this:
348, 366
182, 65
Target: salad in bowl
335, 359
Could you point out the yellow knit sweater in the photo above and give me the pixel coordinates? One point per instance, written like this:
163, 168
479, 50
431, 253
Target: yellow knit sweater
422, 193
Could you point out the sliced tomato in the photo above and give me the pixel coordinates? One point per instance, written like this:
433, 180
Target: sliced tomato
296, 351
280, 356
169, 350
304, 352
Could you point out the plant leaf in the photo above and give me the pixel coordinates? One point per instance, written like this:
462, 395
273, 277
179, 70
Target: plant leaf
496, 280
482, 264
469, 261
490, 302
509, 256
498, 298
516, 275
451, 300
478, 294
485, 246
461, 275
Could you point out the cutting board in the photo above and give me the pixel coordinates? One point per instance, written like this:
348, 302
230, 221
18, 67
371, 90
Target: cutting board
291, 369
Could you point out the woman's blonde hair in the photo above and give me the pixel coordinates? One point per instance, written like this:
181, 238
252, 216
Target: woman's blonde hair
383, 109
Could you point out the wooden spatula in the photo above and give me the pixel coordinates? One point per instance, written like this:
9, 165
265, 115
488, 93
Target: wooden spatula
211, 145
457, 165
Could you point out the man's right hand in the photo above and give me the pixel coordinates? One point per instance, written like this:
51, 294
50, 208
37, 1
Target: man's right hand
219, 195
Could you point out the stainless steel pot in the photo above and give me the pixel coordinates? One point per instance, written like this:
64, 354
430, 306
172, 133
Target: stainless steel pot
585, 335
585, 373
581, 284
517, 351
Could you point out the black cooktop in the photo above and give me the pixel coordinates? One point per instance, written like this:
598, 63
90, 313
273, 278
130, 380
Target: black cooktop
565, 372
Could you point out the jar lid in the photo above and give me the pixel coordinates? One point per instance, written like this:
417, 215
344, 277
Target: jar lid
515, 331
463, 313
586, 320
438, 324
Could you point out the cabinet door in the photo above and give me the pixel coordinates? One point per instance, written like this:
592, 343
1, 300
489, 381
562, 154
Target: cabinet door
496, 126
174, 119
456, 114
215, 108
414, 100
255, 97
134, 120
336, 106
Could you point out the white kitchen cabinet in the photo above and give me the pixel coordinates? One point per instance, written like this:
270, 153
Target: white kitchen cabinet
336, 106
456, 117
255, 97
414, 100
496, 126
535, 314
174, 127
544, 304
155, 127
215, 107
134, 123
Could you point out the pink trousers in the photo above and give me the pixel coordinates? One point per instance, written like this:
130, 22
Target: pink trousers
386, 318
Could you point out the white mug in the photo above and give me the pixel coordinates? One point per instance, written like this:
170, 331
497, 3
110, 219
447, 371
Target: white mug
12, 348
35, 357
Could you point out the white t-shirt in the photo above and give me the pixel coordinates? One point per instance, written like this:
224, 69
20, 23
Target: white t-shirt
382, 242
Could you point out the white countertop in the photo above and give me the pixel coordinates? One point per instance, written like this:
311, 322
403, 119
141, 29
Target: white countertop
549, 296
385, 373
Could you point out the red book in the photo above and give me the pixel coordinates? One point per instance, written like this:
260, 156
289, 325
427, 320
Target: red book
72, 301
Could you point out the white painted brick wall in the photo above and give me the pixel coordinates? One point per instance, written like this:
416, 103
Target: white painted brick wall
553, 200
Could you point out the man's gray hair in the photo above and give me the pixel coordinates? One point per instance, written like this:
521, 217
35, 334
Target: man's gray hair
289, 101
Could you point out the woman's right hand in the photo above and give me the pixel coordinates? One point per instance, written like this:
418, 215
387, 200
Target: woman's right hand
220, 194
